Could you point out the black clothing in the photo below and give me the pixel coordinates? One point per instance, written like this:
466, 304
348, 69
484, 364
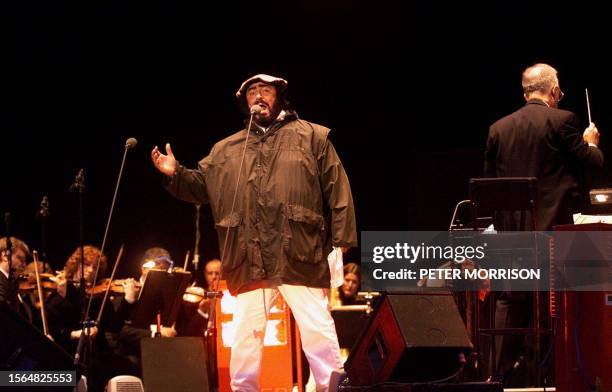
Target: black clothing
546, 143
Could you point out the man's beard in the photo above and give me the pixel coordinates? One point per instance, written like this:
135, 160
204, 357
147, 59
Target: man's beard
266, 121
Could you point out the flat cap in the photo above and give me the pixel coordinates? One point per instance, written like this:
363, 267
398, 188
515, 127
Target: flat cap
279, 83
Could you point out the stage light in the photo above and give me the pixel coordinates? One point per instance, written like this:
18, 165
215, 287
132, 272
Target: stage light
600, 196
149, 264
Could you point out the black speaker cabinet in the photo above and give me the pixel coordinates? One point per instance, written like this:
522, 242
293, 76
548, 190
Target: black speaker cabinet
174, 365
24, 348
410, 338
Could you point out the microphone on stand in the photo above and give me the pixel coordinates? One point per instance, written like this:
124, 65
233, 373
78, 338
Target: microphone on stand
44, 207
86, 321
256, 109
79, 185
211, 329
43, 214
131, 143
79, 181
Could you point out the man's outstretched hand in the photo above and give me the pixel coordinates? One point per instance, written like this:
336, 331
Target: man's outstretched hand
164, 163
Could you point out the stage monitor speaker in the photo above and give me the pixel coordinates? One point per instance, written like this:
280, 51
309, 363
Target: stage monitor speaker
410, 338
350, 321
24, 348
174, 364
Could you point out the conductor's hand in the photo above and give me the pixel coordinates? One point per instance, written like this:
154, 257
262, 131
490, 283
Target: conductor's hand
591, 135
164, 163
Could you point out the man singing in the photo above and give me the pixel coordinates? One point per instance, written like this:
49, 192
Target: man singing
281, 201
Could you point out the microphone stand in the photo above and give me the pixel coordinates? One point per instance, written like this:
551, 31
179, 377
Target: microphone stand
87, 323
196, 247
211, 328
43, 213
79, 185
9, 249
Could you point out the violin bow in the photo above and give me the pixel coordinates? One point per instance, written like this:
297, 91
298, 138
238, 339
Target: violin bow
186, 261
110, 284
43, 314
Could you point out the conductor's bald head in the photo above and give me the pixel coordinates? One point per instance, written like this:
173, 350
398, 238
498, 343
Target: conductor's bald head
540, 82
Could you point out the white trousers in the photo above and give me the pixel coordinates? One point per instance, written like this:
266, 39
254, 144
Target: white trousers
317, 330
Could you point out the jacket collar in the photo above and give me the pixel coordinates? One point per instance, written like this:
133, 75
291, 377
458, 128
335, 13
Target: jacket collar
289, 116
536, 101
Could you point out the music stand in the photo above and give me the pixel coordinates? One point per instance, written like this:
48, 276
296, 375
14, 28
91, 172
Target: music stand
504, 194
503, 198
161, 293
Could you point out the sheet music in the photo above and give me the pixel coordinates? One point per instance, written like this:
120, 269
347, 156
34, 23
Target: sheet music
581, 219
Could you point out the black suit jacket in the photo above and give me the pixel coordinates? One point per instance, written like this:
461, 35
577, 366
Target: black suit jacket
546, 143
7, 293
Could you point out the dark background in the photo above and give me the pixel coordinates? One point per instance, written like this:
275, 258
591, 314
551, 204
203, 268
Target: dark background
409, 91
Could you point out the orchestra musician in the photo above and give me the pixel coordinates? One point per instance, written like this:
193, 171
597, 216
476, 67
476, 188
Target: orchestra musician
194, 316
65, 306
128, 336
350, 287
9, 292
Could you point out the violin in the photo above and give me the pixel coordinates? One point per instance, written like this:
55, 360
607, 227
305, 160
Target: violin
27, 283
116, 287
194, 294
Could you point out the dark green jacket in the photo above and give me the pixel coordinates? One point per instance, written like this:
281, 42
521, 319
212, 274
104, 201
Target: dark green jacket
293, 204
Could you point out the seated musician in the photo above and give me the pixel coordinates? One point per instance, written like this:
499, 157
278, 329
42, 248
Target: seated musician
129, 336
193, 318
65, 309
9, 292
352, 283
65, 306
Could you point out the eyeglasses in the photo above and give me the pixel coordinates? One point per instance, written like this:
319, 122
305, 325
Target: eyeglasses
263, 90
561, 94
